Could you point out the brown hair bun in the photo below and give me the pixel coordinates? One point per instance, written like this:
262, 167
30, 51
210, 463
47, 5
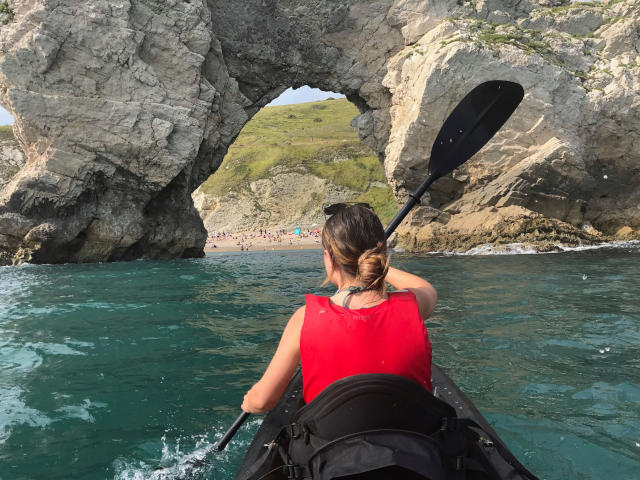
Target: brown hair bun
373, 265
354, 237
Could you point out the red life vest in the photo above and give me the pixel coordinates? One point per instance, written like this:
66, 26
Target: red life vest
337, 342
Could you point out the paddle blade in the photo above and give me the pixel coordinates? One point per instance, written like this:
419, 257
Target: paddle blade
472, 123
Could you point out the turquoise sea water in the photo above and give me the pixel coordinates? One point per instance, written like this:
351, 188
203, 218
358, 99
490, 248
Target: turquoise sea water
132, 370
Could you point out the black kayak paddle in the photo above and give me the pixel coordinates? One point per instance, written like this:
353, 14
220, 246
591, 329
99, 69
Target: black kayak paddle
468, 128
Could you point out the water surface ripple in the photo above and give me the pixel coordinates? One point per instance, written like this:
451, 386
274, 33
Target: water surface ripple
131, 370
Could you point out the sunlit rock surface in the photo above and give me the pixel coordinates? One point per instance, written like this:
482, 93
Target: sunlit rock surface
123, 108
11, 156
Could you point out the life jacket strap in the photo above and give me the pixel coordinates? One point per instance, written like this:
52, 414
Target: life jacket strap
294, 472
296, 431
453, 439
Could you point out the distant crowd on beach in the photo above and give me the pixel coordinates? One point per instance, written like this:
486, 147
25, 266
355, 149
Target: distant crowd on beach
263, 239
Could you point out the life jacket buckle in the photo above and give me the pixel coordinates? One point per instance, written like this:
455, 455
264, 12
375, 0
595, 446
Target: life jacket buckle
271, 445
486, 442
294, 431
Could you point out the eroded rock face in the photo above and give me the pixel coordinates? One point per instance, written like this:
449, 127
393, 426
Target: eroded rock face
123, 108
567, 158
11, 157
285, 201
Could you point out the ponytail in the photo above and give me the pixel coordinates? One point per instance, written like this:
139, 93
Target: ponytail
373, 266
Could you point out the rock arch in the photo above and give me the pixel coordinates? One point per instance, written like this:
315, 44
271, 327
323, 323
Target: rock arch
124, 107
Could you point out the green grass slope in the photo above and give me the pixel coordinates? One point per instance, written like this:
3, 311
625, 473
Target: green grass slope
315, 137
6, 132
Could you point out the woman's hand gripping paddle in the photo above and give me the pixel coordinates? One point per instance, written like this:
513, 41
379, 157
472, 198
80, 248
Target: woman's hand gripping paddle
470, 126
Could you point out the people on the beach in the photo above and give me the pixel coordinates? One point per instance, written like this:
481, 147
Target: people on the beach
263, 239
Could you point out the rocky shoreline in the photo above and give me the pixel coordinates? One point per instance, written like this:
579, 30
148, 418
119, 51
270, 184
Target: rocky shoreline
510, 226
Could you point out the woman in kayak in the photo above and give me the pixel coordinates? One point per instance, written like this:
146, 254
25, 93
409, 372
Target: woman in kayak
361, 328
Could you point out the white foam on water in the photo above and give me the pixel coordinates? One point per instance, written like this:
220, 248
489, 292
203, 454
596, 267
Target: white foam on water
53, 348
21, 265
78, 343
80, 412
509, 249
174, 464
16, 361
526, 249
108, 306
13, 411
621, 244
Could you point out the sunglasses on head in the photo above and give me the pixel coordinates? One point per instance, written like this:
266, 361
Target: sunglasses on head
336, 207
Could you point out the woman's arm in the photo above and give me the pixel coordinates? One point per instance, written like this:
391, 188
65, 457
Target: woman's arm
264, 395
426, 295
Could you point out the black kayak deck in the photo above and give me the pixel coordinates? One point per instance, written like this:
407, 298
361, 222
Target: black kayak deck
494, 450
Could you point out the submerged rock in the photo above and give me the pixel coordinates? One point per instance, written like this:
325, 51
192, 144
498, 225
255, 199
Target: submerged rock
124, 108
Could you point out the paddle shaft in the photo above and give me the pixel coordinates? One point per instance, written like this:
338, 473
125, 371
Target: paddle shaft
226, 438
414, 199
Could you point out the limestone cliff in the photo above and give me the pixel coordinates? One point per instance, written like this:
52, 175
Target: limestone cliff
11, 156
124, 107
565, 167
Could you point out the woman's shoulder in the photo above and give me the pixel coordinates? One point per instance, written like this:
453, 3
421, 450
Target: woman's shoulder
310, 297
315, 301
299, 314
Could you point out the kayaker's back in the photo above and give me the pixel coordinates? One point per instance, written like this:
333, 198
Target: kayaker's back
337, 342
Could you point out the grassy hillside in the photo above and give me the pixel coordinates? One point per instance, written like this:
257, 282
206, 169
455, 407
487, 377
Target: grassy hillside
6, 132
313, 137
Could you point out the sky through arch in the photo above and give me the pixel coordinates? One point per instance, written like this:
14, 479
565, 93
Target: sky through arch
5, 117
303, 95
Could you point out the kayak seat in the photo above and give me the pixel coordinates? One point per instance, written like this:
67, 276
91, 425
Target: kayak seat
373, 401
371, 426
386, 474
